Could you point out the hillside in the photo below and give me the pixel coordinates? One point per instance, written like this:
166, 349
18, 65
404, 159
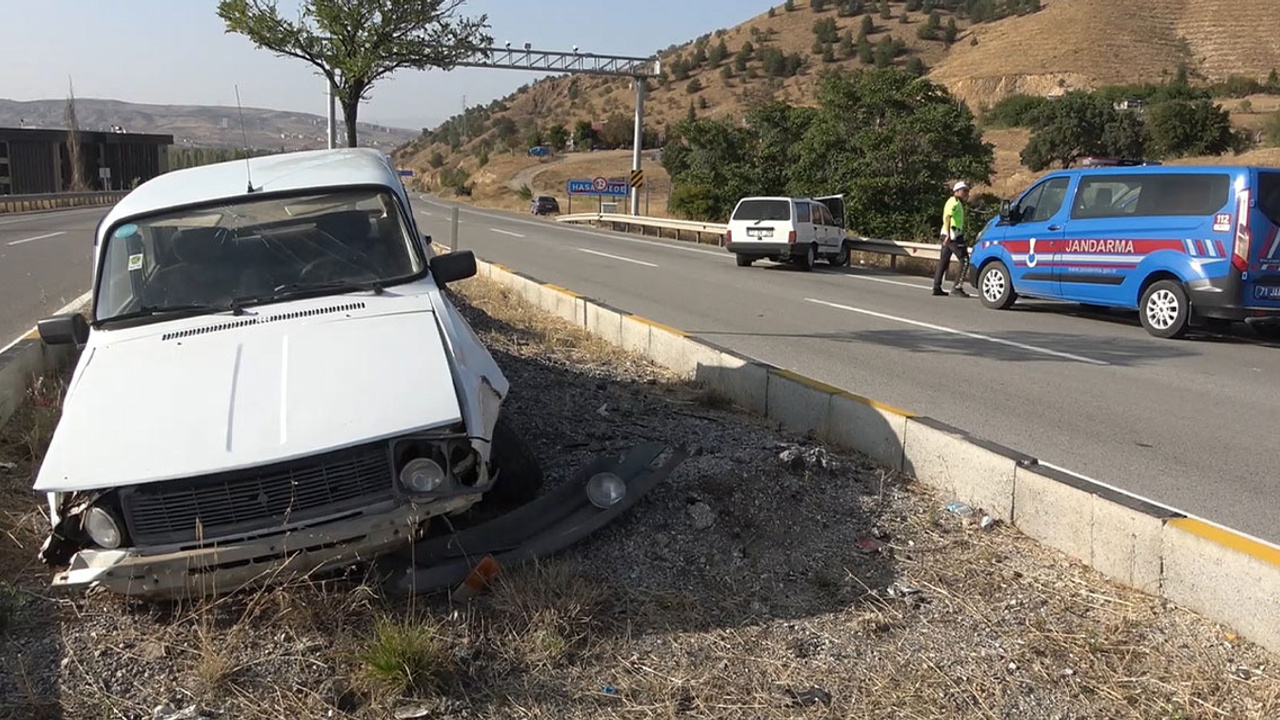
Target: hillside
197, 125
1067, 44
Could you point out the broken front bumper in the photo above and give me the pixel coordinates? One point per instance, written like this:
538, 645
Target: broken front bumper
272, 559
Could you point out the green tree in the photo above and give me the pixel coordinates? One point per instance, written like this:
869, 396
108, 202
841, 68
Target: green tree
829, 55
789, 5
694, 87
914, 5
1273, 82
740, 62
1126, 136
1068, 128
699, 56
726, 73
884, 52
950, 34
826, 31
1271, 129
1184, 128
847, 46
915, 66
886, 12
558, 137
437, 160
356, 43
868, 26
818, 5
692, 114
718, 53
1016, 110
584, 135
866, 52
532, 135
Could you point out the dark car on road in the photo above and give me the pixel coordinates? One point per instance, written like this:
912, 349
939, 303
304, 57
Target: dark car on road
544, 205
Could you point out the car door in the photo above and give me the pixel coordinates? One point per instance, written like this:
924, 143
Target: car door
806, 233
827, 228
1033, 240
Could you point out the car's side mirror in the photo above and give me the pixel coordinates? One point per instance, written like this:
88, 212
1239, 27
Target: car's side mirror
453, 266
1006, 211
70, 329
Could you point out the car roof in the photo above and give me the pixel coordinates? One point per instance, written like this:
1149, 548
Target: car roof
285, 172
1156, 170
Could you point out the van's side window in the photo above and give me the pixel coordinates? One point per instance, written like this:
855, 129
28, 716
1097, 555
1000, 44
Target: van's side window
1269, 195
1044, 201
802, 213
1107, 196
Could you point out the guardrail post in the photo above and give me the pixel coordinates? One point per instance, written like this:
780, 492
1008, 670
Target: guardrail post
453, 228
893, 262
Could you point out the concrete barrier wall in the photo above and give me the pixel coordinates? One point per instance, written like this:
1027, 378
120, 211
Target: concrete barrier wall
26, 359
1219, 573
35, 203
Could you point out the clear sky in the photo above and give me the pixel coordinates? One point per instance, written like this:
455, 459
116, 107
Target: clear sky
176, 52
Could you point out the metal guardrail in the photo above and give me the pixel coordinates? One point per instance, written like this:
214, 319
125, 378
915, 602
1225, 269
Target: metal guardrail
894, 248
52, 201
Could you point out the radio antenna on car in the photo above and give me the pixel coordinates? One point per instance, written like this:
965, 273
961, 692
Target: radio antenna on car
244, 134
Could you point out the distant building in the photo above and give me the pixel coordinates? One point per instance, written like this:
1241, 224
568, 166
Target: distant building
36, 162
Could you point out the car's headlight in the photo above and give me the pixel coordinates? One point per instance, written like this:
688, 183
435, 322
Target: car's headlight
103, 528
606, 490
421, 475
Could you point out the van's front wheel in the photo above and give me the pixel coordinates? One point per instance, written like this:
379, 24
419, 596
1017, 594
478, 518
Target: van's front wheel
841, 258
1165, 310
996, 287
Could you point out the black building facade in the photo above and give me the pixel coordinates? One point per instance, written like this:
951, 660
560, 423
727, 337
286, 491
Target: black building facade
38, 161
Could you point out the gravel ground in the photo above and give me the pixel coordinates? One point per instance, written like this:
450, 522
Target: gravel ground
766, 578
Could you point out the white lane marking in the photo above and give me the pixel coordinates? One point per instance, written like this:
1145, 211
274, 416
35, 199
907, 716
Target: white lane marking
869, 278
424, 212
507, 232
962, 333
38, 237
618, 257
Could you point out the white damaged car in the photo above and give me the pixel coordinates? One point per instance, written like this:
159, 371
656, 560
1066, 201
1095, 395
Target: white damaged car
271, 383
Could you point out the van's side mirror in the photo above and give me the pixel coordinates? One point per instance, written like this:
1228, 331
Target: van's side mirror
453, 266
70, 329
1006, 211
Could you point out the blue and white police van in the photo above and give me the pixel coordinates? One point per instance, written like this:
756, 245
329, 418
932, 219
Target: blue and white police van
1181, 245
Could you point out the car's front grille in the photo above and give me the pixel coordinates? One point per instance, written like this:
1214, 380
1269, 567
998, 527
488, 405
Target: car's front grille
246, 501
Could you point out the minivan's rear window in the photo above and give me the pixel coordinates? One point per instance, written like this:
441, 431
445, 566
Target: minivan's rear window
1269, 195
1108, 196
763, 210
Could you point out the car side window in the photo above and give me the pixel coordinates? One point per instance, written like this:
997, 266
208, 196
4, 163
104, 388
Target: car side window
803, 213
1027, 204
824, 217
1049, 201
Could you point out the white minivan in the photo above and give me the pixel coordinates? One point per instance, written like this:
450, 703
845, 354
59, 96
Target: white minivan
782, 229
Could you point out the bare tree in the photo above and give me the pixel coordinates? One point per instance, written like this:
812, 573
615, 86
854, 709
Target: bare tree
355, 43
73, 141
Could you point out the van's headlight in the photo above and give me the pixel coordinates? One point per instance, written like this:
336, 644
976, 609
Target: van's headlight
103, 528
421, 475
606, 490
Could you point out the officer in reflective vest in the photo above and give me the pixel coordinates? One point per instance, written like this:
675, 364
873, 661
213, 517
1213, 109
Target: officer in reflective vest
953, 240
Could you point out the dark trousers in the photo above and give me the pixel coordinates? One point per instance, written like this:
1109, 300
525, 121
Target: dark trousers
955, 247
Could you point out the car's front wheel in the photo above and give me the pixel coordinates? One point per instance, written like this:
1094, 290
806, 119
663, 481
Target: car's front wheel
1165, 310
744, 260
995, 286
519, 473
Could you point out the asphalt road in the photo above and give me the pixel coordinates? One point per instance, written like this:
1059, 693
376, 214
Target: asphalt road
1186, 423
46, 260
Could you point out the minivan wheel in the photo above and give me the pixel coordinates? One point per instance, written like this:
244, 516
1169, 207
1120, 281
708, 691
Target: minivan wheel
841, 258
744, 260
995, 287
807, 261
1165, 311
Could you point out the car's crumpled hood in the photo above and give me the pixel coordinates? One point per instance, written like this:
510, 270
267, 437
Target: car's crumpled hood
303, 377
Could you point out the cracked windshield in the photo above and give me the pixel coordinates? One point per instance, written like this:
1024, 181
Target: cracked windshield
742, 359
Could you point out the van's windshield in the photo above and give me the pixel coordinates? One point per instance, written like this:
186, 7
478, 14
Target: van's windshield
775, 210
252, 251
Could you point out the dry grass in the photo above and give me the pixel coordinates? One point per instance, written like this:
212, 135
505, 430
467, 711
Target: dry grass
22, 442
770, 613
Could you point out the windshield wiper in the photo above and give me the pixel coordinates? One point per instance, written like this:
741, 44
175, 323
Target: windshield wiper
187, 309
341, 286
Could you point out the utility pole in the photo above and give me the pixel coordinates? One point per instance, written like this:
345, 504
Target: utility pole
637, 152
333, 118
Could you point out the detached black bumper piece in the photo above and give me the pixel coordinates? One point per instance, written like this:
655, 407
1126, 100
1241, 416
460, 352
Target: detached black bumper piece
541, 528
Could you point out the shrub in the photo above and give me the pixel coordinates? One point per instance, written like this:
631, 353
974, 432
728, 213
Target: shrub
1197, 127
1014, 110
405, 655
694, 87
1271, 129
437, 160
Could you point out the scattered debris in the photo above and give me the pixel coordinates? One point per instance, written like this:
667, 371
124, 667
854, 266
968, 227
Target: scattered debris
810, 697
478, 579
869, 545
898, 590
610, 690
412, 712
702, 515
603, 410
168, 712
961, 509
801, 459
987, 522
8, 466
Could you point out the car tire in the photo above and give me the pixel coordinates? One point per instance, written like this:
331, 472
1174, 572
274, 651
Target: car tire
806, 261
1165, 311
743, 260
840, 259
519, 473
995, 286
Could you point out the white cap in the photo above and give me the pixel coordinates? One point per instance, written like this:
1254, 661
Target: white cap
962, 185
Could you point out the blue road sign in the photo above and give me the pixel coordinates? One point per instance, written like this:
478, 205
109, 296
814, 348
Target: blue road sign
612, 188
406, 173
